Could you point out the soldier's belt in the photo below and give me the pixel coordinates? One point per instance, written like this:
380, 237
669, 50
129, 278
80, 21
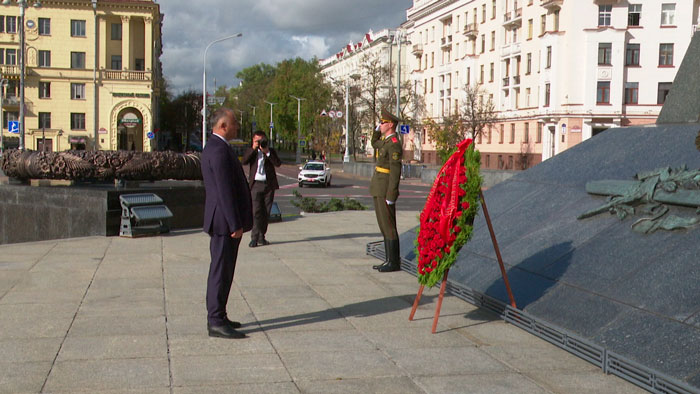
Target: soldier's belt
382, 170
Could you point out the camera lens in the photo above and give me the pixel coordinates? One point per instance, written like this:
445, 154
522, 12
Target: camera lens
263, 143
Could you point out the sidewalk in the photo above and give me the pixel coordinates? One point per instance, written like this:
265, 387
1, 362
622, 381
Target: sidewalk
120, 315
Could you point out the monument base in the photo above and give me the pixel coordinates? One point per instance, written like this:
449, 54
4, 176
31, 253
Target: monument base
37, 213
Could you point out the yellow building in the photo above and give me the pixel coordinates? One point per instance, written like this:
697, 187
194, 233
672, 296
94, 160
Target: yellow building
91, 73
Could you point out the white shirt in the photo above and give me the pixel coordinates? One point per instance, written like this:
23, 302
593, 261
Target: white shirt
260, 173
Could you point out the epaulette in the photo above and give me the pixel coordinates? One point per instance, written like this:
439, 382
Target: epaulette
394, 140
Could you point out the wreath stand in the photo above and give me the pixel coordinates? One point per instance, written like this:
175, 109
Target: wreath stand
444, 278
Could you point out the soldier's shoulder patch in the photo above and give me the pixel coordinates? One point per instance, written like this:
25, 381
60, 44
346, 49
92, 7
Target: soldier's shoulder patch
394, 140
395, 156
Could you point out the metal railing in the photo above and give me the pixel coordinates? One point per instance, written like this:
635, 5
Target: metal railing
126, 75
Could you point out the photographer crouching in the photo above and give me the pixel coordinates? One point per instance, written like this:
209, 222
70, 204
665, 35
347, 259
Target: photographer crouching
261, 161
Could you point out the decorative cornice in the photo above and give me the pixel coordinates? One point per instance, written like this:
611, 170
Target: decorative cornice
429, 9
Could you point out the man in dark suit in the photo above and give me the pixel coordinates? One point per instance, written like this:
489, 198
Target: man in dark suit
227, 215
262, 179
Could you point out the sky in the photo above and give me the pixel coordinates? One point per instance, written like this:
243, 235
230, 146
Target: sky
273, 30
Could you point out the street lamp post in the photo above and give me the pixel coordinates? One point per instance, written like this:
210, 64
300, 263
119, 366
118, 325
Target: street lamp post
22, 5
252, 123
272, 139
3, 85
299, 99
204, 85
346, 157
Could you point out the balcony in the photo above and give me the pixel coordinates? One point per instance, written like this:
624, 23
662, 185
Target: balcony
511, 49
10, 70
551, 5
11, 101
417, 50
513, 18
126, 75
516, 80
471, 30
446, 42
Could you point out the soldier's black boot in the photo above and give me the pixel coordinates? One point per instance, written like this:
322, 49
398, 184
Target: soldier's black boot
386, 256
394, 263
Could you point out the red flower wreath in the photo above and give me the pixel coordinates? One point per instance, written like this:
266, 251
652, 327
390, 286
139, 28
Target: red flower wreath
447, 218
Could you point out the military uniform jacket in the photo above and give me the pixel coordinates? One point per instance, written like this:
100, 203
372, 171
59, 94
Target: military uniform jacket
385, 181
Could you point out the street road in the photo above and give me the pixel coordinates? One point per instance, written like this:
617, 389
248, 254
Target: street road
412, 192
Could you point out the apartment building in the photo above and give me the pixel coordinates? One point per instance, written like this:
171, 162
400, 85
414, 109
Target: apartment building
558, 71
346, 67
91, 70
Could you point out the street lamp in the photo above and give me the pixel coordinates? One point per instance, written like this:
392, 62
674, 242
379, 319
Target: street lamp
3, 85
272, 139
252, 124
204, 85
299, 99
22, 5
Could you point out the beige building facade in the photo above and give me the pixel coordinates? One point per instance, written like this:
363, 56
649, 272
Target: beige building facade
558, 71
91, 71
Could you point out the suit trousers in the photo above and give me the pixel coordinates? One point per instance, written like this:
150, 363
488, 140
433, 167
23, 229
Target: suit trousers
263, 195
224, 251
386, 218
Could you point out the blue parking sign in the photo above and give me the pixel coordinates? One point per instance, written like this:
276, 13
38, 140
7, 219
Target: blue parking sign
404, 129
13, 126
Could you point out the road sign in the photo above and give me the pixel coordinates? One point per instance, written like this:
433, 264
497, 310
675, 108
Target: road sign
302, 143
150, 135
331, 114
404, 129
323, 113
254, 124
272, 124
13, 127
338, 114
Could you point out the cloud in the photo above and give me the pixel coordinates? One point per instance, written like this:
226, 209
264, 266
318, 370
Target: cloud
273, 30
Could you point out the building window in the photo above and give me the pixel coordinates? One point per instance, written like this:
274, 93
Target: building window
488, 135
668, 14
632, 55
116, 31
11, 56
526, 134
547, 94
493, 40
77, 60
44, 89
501, 134
529, 29
603, 94
11, 24
8, 116
44, 26
549, 57
556, 20
664, 88
634, 14
604, 53
483, 13
77, 121
543, 24
539, 133
139, 64
512, 133
116, 62
77, 28
493, 9
77, 91
528, 64
44, 58
631, 92
666, 55
44, 120
491, 72
483, 43
432, 59
604, 14
469, 75
481, 74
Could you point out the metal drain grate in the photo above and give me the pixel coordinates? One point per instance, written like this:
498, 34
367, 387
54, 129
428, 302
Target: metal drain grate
609, 362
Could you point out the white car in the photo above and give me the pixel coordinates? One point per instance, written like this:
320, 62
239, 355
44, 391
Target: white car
315, 173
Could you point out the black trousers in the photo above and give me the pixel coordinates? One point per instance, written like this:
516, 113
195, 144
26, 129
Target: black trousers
386, 218
224, 251
262, 195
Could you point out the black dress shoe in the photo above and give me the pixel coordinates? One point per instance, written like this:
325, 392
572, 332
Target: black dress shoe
232, 324
264, 242
253, 244
389, 267
377, 266
224, 331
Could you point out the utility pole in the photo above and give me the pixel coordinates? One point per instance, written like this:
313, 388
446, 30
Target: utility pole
299, 99
272, 125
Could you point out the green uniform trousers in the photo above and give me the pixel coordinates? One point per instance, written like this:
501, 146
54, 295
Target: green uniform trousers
386, 218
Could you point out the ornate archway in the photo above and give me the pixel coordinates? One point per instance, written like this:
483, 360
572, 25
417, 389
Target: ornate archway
133, 110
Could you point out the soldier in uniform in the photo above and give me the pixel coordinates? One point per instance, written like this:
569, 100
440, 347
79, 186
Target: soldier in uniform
384, 187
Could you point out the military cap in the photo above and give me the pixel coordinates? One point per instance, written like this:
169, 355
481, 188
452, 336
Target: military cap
389, 117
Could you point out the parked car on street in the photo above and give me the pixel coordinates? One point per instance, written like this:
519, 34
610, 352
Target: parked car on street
315, 173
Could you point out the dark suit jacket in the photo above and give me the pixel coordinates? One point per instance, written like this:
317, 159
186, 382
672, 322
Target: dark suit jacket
250, 157
228, 205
